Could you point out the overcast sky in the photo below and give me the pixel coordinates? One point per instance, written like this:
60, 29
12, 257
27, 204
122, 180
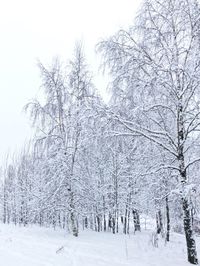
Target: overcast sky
42, 29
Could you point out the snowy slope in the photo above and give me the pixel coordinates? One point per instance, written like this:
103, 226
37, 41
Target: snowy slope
36, 246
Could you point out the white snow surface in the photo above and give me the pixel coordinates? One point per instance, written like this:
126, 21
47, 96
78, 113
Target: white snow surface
37, 246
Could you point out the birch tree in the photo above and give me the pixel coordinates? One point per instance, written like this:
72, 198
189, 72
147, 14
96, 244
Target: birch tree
158, 62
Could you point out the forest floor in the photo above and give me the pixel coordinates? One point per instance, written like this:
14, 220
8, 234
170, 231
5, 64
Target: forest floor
36, 246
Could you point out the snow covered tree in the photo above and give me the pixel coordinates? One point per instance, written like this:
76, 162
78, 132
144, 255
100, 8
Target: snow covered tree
65, 122
158, 62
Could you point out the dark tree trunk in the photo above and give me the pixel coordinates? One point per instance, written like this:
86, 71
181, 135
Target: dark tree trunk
104, 214
98, 223
187, 221
110, 222
86, 222
136, 220
128, 223
191, 246
192, 215
104, 223
125, 221
64, 221
113, 225
159, 222
54, 221
59, 220
168, 219
95, 223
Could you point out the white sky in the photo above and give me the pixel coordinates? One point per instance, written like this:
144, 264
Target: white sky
42, 29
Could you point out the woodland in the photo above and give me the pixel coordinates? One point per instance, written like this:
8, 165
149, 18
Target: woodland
100, 166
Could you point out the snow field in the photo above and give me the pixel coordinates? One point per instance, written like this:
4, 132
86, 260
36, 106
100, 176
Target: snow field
35, 246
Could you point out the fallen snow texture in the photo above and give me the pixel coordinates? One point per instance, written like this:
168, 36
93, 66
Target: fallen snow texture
35, 246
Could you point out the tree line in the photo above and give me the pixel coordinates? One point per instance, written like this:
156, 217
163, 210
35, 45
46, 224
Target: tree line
100, 166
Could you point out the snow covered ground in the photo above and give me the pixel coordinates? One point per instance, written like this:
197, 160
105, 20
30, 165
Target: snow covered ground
35, 246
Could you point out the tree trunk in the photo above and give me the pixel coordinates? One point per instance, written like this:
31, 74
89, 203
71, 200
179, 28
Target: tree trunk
128, 222
98, 223
159, 222
104, 223
86, 222
125, 221
64, 221
91, 222
74, 226
109, 222
136, 220
168, 220
104, 214
113, 225
191, 246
